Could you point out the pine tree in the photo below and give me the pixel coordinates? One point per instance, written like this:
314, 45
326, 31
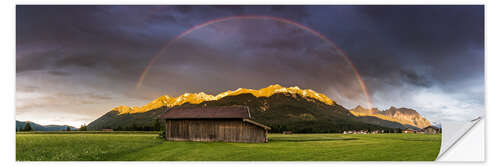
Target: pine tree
157, 125
27, 127
83, 127
67, 128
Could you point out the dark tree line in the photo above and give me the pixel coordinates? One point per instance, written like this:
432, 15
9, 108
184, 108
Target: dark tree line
156, 126
83, 128
304, 127
27, 127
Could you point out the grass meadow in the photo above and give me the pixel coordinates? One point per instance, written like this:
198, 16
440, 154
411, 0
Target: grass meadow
139, 146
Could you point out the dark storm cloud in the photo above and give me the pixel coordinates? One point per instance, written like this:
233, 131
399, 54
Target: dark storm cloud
403, 53
84, 61
424, 35
34, 60
442, 45
421, 27
416, 79
61, 73
28, 88
123, 37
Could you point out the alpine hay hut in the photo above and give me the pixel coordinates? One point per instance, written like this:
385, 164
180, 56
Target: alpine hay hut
431, 130
216, 123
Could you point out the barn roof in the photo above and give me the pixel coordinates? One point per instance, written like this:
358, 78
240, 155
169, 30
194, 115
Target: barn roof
432, 127
257, 124
212, 112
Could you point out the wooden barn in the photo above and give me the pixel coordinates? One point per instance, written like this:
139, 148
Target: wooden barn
431, 130
218, 123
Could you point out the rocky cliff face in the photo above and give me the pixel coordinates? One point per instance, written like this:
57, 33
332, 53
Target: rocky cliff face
197, 98
403, 116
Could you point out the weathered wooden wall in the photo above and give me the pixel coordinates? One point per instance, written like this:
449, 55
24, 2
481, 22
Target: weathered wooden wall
431, 131
228, 130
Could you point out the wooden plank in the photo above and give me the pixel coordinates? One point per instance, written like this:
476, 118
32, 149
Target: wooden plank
214, 130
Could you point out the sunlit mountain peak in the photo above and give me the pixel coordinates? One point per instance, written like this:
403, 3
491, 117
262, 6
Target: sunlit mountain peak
196, 98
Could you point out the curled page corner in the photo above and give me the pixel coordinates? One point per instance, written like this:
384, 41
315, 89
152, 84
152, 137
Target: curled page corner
453, 131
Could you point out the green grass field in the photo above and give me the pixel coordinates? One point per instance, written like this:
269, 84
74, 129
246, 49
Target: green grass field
297, 147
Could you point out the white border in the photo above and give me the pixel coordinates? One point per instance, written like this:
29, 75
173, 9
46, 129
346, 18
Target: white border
492, 86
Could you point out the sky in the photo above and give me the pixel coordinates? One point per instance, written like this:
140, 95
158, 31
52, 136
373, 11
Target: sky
75, 63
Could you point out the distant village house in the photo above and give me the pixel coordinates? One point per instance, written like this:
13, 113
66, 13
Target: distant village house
409, 130
377, 131
363, 132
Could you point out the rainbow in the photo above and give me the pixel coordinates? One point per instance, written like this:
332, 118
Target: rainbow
256, 17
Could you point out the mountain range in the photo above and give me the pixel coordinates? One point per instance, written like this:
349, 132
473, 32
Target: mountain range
196, 98
281, 108
404, 116
37, 127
